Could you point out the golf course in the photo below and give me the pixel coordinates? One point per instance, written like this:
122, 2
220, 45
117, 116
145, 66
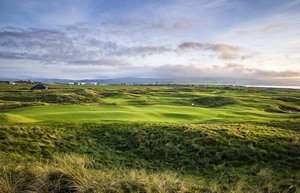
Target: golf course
149, 138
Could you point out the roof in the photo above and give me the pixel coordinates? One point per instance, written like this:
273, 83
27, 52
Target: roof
39, 87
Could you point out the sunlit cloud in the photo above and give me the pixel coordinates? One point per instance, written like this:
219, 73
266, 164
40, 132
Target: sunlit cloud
224, 51
228, 70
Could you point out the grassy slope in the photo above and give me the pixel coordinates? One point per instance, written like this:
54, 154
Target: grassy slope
240, 148
262, 156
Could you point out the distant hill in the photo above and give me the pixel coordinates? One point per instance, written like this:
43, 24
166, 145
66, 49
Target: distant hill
203, 80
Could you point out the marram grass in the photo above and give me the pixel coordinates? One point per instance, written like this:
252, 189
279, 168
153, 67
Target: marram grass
75, 174
147, 157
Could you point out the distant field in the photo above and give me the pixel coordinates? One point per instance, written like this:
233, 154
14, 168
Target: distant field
116, 138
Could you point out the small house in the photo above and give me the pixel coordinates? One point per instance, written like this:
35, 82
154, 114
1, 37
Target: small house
39, 86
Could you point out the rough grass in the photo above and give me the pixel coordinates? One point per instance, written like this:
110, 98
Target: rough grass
213, 101
282, 109
13, 105
76, 174
226, 157
289, 99
58, 96
290, 109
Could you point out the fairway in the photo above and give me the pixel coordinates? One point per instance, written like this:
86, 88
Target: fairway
154, 113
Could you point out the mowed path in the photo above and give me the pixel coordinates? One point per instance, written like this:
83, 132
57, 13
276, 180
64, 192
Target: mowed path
154, 113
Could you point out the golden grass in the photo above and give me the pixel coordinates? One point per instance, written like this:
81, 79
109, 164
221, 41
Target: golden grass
71, 173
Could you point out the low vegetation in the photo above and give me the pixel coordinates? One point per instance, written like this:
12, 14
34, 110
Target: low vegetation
149, 139
76, 174
213, 101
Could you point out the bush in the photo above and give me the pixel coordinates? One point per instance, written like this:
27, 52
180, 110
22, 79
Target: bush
213, 101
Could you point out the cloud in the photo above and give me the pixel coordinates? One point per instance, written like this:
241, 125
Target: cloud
142, 51
36, 44
140, 24
224, 51
182, 25
99, 62
241, 33
267, 28
230, 70
275, 26
82, 44
67, 44
114, 35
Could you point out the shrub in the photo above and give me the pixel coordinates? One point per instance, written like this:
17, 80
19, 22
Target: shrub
213, 101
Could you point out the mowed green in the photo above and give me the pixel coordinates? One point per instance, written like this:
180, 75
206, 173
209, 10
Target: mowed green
174, 104
149, 113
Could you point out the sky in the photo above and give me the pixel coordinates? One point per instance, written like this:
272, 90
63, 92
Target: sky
88, 39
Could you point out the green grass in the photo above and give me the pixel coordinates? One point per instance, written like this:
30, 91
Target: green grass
149, 139
153, 113
264, 157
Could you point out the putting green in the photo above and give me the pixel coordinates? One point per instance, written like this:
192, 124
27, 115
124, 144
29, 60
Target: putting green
155, 113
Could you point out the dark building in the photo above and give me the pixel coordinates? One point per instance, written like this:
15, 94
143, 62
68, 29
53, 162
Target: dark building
39, 86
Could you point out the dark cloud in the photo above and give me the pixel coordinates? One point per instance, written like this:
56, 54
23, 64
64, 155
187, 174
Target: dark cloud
67, 44
36, 44
142, 51
12, 55
99, 62
224, 51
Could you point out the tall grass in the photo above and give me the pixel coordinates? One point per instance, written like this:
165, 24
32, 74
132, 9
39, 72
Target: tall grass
74, 174
147, 157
